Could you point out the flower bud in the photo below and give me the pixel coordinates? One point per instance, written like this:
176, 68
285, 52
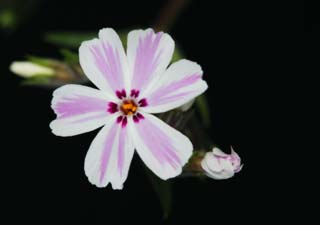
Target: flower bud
219, 165
28, 69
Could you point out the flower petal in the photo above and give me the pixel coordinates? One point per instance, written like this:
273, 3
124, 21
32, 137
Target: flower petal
179, 84
228, 170
163, 149
221, 176
109, 156
104, 62
79, 109
239, 169
148, 54
217, 152
215, 168
211, 163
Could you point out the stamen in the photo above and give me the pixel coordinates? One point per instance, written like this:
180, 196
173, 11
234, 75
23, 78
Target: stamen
129, 107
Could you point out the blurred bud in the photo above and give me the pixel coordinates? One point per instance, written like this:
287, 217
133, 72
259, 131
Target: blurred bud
187, 106
219, 165
48, 73
29, 69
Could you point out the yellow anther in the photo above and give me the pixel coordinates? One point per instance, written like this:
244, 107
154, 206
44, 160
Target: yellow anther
128, 107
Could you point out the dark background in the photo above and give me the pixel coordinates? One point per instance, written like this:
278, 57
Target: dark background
43, 174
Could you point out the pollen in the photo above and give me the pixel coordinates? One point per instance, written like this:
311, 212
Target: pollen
129, 107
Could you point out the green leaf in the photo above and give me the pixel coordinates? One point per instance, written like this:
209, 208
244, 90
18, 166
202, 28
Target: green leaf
40, 61
36, 80
164, 192
69, 56
204, 110
69, 39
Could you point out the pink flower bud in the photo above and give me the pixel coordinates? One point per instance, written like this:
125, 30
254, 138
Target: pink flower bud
219, 165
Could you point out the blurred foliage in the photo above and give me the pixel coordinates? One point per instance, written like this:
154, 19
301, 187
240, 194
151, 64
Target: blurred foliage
15, 12
69, 56
36, 81
203, 107
8, 19
40, 61
69, 39
74, 39
163, 190
67, 71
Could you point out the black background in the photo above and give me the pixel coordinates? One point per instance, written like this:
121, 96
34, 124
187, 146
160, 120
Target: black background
43, 174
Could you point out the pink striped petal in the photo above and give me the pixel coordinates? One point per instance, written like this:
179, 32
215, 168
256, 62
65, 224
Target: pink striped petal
148, 54
178, 85
104, 62
79, 109
109, 156
163, 149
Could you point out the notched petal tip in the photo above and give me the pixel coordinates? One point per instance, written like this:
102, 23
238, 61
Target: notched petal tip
106, 30
116, 186
56, 129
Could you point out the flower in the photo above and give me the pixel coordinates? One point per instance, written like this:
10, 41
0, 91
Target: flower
132, 85
28, 69
219, 165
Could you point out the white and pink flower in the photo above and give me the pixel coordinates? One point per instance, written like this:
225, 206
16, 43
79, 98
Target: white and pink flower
219, 165
132, 85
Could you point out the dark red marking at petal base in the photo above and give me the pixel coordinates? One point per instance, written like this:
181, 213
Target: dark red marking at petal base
135, 119
119, 119
143, 102
112, 107
134, 93
140, 116
124, 121
121, 94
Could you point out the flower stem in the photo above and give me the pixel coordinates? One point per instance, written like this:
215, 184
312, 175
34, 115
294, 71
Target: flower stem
168, 14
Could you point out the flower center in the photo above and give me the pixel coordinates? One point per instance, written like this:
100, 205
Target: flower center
128, 107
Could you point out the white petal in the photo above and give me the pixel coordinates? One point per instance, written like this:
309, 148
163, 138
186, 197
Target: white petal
181, 83
217, 152
163, 149
217, 169
221, 176
104, 62
227, 166
109, 156
79, 109
210, 163
148, 54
